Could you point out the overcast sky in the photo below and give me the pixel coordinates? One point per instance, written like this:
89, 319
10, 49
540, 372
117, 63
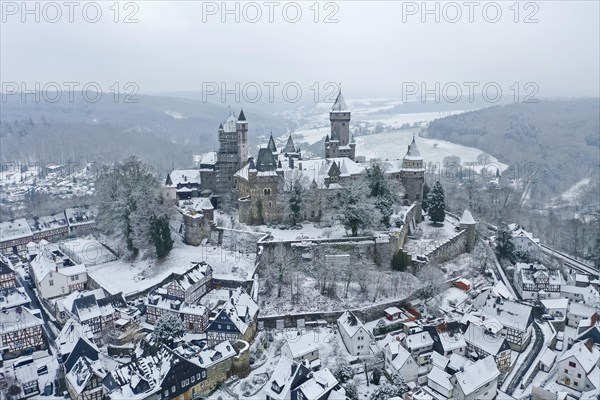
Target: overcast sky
372, 48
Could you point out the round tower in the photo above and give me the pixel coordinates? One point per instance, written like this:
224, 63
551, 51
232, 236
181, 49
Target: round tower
412, 176
467, 222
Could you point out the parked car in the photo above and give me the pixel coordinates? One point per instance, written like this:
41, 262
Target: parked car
559, 345
43, 370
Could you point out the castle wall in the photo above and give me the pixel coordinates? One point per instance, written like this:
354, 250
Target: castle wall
450, 249
366, 252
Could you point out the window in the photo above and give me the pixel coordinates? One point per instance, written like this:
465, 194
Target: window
575, 383
204, 374
198, 375
270, 205
579, 375
572, 364
193, 378
219, 326
566, 371
50, 282
166, 393
172, 389
74, 277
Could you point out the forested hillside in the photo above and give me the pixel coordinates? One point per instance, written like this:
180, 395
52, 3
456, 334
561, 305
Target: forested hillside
561, 138
161, 130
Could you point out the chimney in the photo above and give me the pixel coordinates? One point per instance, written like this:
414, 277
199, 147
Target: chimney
300, 166
589, 344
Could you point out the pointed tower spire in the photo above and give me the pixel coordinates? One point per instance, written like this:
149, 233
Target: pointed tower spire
271, 144
168, 181
242, 117
289, 146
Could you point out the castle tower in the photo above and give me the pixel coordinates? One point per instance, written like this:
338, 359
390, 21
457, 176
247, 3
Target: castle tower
242, 137
233, 151
467, 222
338, 143
412, 176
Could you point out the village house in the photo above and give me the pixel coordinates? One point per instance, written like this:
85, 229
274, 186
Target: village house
447, 338
24, 371
578, 367
49, 227
195, 317
511, 319
587, 295
182, 184
439, 382
355, 336
192, 284
578, 312
8, 277
557, 308
536, 282
13, 297
478, 381
524, 242
398, 360
82, 219
219, 364
84, 379
14, 236
302, 347
92, 308
481, 343
235, 319
155, 374
293, 380
55, 274
20, 331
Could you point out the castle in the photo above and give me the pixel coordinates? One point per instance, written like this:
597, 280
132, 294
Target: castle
260, 186
263, 185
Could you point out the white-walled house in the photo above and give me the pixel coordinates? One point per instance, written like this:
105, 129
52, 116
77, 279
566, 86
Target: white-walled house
398, 360
579, 367
302, 347
478, 381
55, 274
355, 336
525, 243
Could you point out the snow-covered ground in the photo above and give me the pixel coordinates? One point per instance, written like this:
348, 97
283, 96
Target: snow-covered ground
393, 145
574, 191
428, 236
134, 277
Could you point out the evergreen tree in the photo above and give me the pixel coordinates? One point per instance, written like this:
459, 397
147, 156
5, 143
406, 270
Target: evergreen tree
436, 202
168, 328
351, 391
424, 204
296, 200
505, 248
376, 377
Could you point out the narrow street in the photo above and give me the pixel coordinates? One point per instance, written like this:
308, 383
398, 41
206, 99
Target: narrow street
538, 343
35, 303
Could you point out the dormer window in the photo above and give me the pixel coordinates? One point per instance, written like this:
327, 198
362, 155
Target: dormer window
275, 387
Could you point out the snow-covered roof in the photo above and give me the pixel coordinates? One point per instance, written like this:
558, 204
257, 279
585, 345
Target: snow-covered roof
350, 323
81, 215
522, 233
16, 229
481, 338
236, 308
183, 176
586, 353
440, 377
283, 377
209, 158
548, 357
340, 104
419, 340
82, 371
209, 357
230, 124
509, 313
50, 258
321, 382
87, 251
18, 318
48, 222
467, 218
477, 375
552, 304
392, 310
70, 334
457, 362
413, 153
303, 344
12, 297
399, 354
439, 360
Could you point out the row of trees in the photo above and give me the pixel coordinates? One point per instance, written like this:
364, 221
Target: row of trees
132, 209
